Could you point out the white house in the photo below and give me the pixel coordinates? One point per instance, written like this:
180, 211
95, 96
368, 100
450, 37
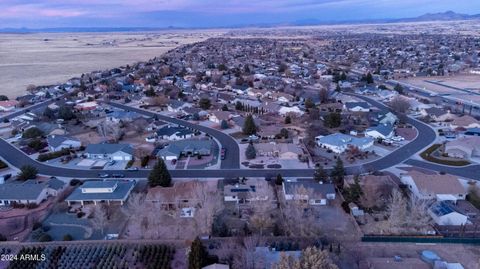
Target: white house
284, 110
388, 118
117, 152
219, 116
102, 191
59, 142
357, 106
9, 105
383, 131
339, 143
434, 186
308, 190
445, 213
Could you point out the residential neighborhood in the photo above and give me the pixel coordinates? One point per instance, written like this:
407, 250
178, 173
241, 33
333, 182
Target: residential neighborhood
256, 148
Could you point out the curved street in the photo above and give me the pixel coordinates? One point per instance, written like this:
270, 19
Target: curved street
230, 166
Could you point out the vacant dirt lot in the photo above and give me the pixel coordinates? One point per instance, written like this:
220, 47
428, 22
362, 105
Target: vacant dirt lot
49, 58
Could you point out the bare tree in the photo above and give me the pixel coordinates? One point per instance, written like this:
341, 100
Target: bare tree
311, 257
407, 216
400, 104
299, 216
246, 257
209, 204
100, 218
261, 201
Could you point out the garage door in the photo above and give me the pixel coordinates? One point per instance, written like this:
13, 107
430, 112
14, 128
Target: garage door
118, 158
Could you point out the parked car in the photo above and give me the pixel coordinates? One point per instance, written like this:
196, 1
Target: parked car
103, 175
132, 169
118, 175
223, 152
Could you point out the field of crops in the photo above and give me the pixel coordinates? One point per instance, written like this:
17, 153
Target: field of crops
85, 256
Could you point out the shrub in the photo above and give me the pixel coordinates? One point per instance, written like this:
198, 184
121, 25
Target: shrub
144, 161
52, 155
427, 155
80, 214
67, 237
45, 238
75, 182
31, 205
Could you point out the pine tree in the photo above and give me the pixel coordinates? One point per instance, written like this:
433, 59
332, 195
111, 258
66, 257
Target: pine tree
338, 173
249, 127
398, 88
309, 103
159, 176
224, 124
279, 180
197, 256
250, 152
288, 119
320, 174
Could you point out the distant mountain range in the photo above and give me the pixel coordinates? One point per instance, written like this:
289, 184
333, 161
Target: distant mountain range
442, 16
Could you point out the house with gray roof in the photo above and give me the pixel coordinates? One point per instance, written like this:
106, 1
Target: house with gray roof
357, 106
104, 151
339, 143
307, 189
59, 142
188, 147
383, 131
29, 192
170, 132
102, 191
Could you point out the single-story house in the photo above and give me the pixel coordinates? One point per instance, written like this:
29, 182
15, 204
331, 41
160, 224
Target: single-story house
388, 118
122, 116
357, 106
339, 143
282, 150
437, 114
243, 192
8, 105
311, 191
117, 152
445, 213
29, 192
473, 131
177, 106
169, 132
187, 147
284, 110
102, 191
219, 116
59, 142
466, 122
87, 106
434, 186
464, 147
383, 131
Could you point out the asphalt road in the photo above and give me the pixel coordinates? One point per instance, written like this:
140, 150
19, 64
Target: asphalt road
231, 164
232, 157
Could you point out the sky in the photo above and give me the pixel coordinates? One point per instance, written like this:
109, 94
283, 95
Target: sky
212, 13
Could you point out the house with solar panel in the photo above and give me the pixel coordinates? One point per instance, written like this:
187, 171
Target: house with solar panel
446, 213
246, 191
94, 192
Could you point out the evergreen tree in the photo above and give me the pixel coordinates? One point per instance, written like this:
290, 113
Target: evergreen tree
309, 103
238, 105
65, 113
198, 255
288, 119
320, 174
279, 180
398, 88
338, 89
338, 173
49, 113
204, 103
369, 78
354, 191
27, 172
159, 176
249, 127
224, 124
250, 152
225, 107
333, 120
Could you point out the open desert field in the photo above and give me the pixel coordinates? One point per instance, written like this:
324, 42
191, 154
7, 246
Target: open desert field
49, 58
